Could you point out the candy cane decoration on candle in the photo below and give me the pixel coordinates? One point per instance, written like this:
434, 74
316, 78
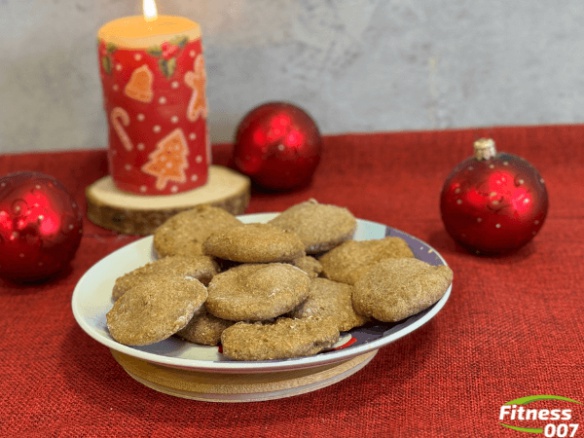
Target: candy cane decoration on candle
120, 118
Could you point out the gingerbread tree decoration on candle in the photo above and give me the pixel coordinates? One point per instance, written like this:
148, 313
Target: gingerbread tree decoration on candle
169, 160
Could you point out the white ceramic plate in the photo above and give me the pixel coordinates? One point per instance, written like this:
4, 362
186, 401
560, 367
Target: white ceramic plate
92, 300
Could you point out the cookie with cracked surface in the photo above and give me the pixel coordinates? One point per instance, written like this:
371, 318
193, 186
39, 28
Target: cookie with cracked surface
254, 243
185, 232
285, 338
154, 310
321, 227
203, 268
204, 328
350, 260
394, 289
330, 299
308, 264
256, 292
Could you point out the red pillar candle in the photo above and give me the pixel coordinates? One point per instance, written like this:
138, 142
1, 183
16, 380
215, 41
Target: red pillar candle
153, 76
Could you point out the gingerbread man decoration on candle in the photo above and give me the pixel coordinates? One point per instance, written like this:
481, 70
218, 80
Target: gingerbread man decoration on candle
196, 80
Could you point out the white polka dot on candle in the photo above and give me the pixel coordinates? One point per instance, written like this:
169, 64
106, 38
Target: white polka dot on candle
140, 117
156, 128
115, 87
162, 100
119, 67
143, 189
174, 119
174, 189
192, 53
199, 159
194, 178
140, 146
128, 167
174, 84
192, 136
137, 57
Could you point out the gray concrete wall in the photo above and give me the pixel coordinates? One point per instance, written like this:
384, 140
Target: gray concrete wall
355, 65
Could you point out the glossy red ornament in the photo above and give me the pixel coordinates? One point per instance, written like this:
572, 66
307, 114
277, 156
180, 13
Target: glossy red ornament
493, 202
40, 226
278, 145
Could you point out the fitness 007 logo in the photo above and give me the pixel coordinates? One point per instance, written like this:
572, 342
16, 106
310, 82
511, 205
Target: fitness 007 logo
554, 415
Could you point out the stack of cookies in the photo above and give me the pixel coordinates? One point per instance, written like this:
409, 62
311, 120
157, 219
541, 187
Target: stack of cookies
275, 290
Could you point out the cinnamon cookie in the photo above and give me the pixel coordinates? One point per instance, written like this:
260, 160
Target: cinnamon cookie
185, 232
319, 226
254, 243
348, 261
394, 289
203, 268
154, 310
282, 339
308, 264
204, 328
257, 292
330, 299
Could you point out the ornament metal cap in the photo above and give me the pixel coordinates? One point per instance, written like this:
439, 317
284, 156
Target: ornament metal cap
484, 148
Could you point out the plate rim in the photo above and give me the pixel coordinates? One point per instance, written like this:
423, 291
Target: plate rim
278, 365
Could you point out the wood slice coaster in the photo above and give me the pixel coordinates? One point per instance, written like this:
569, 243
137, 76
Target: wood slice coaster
230, 388
127, 213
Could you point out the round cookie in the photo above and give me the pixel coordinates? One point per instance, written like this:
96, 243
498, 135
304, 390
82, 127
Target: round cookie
283, 339
185, 232
394, 289
321, 227
203, 268
333, 300
348, 261
254, 243
155, 310
308, 264
257, 292
204, 328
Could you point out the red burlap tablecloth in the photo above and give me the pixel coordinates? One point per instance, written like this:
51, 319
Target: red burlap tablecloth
513, 326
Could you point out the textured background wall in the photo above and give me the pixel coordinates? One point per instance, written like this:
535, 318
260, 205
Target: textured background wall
367, 65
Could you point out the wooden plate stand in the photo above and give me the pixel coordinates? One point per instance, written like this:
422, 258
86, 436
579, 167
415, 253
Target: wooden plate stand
224, 387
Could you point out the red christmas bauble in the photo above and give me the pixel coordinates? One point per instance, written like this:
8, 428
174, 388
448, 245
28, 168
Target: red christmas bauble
493, 202
278, 146
40, 226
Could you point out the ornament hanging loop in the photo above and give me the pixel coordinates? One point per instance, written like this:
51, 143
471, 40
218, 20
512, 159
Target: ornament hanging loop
484, 149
